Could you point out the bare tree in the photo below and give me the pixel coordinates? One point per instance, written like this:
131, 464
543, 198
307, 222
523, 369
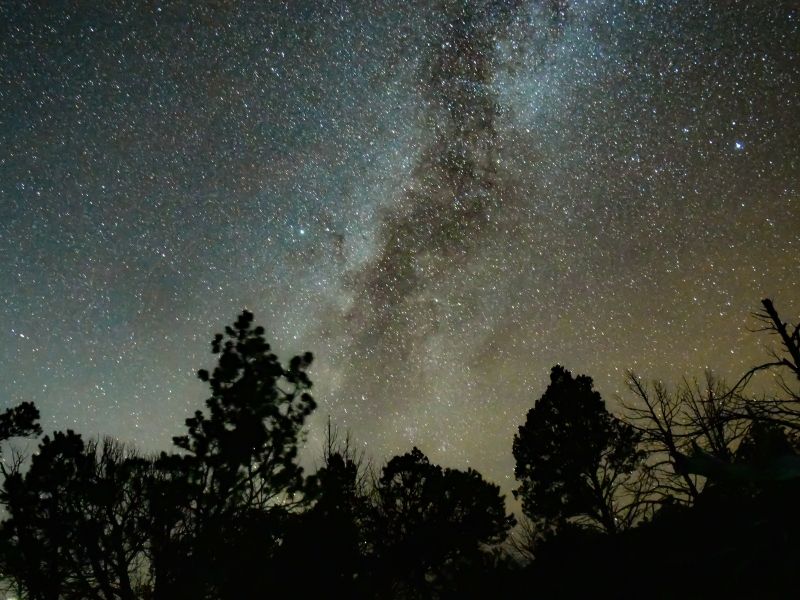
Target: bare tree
783, 409
697, 417
789, 356
342, 445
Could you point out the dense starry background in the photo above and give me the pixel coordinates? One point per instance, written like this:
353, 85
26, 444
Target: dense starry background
440, 199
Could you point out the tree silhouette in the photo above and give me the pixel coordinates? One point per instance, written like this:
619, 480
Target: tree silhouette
20, 421
247, 443
696, 418
698, 476
76, 526
574, 459
789, 335
432, 521
239, 472
782, 409
171, 490
330, 535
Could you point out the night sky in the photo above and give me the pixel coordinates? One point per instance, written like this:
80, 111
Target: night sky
439, 199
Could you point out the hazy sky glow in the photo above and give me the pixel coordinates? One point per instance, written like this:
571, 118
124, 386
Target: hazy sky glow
631, 193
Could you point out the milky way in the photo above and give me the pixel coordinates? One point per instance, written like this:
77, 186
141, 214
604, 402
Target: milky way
441, 200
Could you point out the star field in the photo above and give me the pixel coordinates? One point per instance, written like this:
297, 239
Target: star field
441, 200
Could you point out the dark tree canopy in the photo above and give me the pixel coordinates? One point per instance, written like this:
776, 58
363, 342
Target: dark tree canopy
226, 499
429, 517
573, 457
331, 533
248, 439
20, 421
76, 525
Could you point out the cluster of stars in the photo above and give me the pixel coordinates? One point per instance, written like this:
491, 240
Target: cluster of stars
439, 201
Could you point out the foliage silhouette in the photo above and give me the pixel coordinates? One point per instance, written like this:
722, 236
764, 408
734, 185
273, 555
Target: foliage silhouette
330, 535
703, 481
433, 522
574, 459
246, 446
20, 421
223, 503
75, 528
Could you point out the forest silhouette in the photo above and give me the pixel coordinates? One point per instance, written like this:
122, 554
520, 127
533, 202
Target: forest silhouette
689, 492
